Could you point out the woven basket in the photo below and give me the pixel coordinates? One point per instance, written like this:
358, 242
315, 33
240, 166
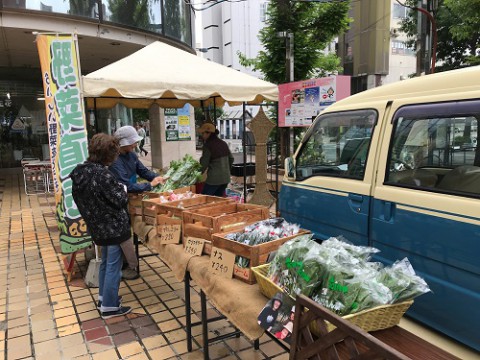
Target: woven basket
377, 318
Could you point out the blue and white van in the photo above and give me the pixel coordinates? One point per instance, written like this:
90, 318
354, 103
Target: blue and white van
386, 168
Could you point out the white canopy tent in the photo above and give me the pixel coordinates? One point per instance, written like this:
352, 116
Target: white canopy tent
164, 75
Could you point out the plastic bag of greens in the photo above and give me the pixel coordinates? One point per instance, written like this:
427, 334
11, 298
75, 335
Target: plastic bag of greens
287, 268
401, 279
359, 252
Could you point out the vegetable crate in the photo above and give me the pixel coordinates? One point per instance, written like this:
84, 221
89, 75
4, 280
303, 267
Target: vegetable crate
152, 194
135, 200
153, 207
257, 254
205, 222
377, 318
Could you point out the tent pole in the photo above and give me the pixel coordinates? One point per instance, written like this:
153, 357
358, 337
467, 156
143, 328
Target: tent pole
244, 145
96, 115
277, 195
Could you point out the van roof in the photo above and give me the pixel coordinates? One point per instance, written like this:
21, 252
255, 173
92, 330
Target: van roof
454, 81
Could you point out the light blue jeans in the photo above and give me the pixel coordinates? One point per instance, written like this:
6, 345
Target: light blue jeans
110, 275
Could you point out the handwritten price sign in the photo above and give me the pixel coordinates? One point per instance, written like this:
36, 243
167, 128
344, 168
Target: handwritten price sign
221, 262
169, 233
194, 246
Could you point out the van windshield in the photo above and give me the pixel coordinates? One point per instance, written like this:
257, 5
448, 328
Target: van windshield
337, 145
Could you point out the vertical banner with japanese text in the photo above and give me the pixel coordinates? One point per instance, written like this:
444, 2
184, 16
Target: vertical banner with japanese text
66, 131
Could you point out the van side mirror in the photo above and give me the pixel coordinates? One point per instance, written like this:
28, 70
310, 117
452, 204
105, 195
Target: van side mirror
289, 168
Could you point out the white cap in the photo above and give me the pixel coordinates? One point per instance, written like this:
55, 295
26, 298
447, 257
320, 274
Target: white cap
127, 135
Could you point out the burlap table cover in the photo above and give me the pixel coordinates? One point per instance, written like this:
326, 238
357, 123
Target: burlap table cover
239, 302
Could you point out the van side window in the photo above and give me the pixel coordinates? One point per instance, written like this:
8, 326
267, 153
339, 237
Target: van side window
337, 145
434, 147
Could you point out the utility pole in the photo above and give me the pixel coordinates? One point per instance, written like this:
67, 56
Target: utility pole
290, 71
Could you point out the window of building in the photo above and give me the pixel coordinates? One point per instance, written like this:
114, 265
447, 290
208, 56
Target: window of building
433, 147
400, 48
399, 11
263, 12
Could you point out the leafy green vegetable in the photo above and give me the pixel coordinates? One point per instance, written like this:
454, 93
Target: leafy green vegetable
184, 172
339, 276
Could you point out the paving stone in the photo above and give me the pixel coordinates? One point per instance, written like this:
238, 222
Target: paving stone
95, 334
124, 338
161, 353
130, 349
154, 342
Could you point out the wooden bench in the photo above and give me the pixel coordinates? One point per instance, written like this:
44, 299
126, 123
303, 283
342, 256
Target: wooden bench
348, 341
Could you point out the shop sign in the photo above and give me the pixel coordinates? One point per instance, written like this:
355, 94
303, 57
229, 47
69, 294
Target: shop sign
66, 131
301, 101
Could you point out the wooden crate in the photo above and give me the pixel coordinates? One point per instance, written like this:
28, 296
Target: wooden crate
153, 207
204, 222
152, 195
257, 254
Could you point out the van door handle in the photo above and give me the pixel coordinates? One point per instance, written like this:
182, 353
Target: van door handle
356, 198
388, 210
355, 202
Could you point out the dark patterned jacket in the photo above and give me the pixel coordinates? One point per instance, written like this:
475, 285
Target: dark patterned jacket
102, 202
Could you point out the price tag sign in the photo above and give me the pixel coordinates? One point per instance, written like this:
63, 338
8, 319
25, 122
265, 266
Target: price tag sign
169, 233
221, 262
194, 246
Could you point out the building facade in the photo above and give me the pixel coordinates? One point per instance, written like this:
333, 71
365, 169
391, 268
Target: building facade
107, 31
373, 51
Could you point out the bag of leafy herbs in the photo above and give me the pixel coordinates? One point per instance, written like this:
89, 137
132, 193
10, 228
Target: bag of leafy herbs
401, 279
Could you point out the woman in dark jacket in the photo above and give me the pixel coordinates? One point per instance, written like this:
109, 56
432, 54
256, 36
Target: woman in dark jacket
216, 159
102, 202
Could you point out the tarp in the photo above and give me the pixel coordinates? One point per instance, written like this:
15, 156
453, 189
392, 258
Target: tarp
170, 77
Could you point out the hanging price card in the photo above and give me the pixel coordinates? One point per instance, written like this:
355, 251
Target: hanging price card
169, 230
221, 262
193, 245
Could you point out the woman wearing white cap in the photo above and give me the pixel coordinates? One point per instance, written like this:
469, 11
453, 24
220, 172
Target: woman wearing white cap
126, 168
217, 159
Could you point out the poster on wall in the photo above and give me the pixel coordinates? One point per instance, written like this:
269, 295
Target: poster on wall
300, 102
171, 124
67, 132
177, 124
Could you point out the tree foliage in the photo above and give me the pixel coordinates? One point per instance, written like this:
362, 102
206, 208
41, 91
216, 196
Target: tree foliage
458, 32
313, 24
131, 12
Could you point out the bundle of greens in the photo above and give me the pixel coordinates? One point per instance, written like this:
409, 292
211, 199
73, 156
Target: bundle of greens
181, 173
287, 269
401, 279
339, 276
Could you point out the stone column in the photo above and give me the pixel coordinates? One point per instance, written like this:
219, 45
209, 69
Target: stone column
261, 127
163, 151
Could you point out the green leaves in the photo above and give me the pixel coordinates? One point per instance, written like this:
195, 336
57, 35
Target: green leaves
458, 32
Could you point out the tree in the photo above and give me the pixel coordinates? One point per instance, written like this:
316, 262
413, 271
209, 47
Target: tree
313, 25
131, 12
458, 32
